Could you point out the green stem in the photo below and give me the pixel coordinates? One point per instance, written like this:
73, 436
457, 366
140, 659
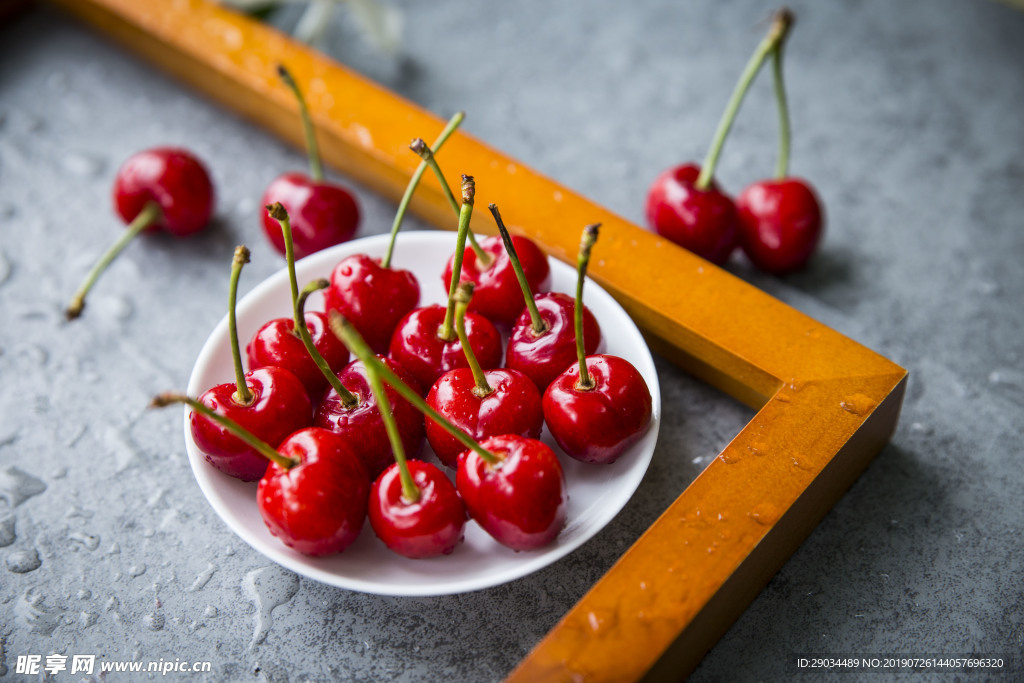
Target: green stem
316, 168
280, 214
150, 213
410, 492
425, 153
447, 331
782, 168
781, 22
463, 295
537, 323
257, 444
410, 189
348, 399
242, 394
586, 382
352, 339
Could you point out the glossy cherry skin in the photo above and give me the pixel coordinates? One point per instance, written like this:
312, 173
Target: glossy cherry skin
417, 347
277, 344
598, 425
433, 525
542, 357
322, 213
513, 407
371, 297
363, 424
521, 502
497, 295
280, 406
173, 178
703, 221
781, 223
318, 506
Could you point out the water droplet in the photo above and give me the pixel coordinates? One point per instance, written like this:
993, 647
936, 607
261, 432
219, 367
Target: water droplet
114, 549
155, 621
137, 570
90, 542
557, 196
758, 449
202, 579
511, 168
24, 561
858, 404
210, 611
84, 594
17, 486
267, 588
87, 619
36, 615
801, 464
599, 619
730, 456
765, 514
7, 535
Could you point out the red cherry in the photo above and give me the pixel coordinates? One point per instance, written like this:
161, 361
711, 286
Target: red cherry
362, 424
277, 344
597, 425
781, 223
318, 505
279, 407
497, 295
417, 346
512, 407
521, 500
542, 357
432, 525
175, 180
371, 297
323, 213
703, 221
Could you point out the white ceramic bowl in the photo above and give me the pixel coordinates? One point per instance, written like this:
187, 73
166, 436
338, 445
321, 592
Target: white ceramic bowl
596, 492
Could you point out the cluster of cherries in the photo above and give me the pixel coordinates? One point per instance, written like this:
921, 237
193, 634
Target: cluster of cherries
332, 439
777, 222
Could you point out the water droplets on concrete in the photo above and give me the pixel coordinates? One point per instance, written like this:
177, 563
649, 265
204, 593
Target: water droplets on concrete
202, 579
39, 618
24, 561
17, 486
7, 534
267, 588
85, 540
137, 570
83, 165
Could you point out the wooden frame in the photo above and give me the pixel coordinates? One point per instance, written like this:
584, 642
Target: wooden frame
826, 405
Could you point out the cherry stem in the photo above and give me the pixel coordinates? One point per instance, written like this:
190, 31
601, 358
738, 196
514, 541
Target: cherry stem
463, 295
586, 382
257, 444
781, 22
316, 167
242, 394
447, 331
421, 148
352, 339
410, 492
453, 123
280, 214
782, 168
538, 324
348, 399
150, 213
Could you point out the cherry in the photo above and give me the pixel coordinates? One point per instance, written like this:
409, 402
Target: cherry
323, 213
781, 219
599, 407
270, 402
414, 508
684, 204
350, 409
370, 293
164, 187
519, 498
425, 341
517, 488
482, 404
313, 494
543, 340
280, 342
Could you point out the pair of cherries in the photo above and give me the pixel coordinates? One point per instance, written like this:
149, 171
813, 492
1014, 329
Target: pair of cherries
778, 222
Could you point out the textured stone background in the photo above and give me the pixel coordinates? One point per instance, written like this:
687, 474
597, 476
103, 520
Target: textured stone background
907, 117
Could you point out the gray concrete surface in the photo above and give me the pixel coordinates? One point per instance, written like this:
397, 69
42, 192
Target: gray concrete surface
907, 118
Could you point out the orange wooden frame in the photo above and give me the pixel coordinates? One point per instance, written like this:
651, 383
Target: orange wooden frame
826, 405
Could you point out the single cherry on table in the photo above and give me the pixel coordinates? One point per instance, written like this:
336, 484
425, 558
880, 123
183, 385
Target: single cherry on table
313, 495
269, 402
684, 204
600, 406
323, 213
542, 342
481, 403
165, 188
370, 292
